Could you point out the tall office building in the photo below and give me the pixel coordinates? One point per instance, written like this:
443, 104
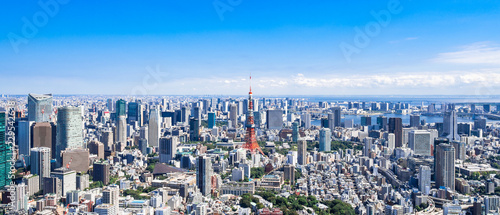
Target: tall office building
121, 108
424, 179
197, 114
274, 119
211, 120
459, 150
204, 174
107, 139
43, 134
24, 137
306, 118
5, 152
39, 107
110, 195
337, 116
414, 120
295, 132
69, 130
96, 148
366, 120
168, 148
420, 142
20, 199
396, 127
109, 105
382, 122
194, 129
302, 152
445, 166
67, 177
325, 140
289, 173
331, 121
154, 129
134, 113
121, 130
233, 115
40, 162
450, 126
101, 171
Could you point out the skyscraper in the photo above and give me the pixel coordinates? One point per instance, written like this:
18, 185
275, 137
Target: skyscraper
204, 174
337, 116
121, 108
121, 129
420, 142
39, 107
450, 125
197, 114
5, 152
67, 177
168, 148
101, 171
274, 119
43, 134
69, 130
194, 129
211, 120
233, 115
445, 166
154, 127
289, 173
331, 121
424, 179
382, 122
306, 118
396, 127
366, 120
134, 112
414, 120
24, 138
295, 132
302, 152
40, 162
325, 140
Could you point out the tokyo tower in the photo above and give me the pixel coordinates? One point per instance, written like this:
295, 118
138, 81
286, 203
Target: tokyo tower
250, 140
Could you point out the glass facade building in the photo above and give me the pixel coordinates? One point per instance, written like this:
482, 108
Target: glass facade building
39, 107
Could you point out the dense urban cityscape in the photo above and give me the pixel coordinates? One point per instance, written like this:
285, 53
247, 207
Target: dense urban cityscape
247, 155
236, 107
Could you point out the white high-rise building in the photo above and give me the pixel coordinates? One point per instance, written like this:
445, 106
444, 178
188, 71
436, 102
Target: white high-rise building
110, 196
69, 130
121, 129
20, 200
154, 128
424, 179
450, 127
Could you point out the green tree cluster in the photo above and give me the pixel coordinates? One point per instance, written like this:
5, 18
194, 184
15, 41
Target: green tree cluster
257, 172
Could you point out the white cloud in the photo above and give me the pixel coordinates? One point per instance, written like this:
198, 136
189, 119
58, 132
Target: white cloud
476, 53
417, 80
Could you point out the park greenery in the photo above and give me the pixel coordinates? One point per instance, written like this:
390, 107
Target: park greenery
257, 172
295, 203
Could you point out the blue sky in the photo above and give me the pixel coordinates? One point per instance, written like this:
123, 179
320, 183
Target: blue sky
290, 47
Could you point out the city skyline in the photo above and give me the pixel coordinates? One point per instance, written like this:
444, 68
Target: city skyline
413, 48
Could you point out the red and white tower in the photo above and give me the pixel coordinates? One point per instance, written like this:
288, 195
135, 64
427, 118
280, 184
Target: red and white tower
250, 140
